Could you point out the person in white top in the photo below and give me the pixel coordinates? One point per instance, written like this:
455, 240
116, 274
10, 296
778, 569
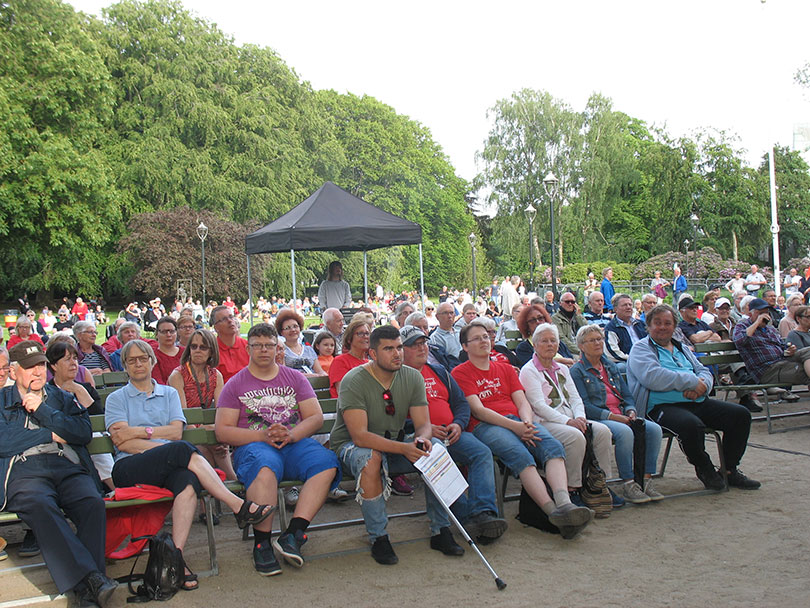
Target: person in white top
754, 281
558, 406
334, 292
792, 282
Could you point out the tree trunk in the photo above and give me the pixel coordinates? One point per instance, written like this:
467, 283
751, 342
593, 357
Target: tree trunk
734, 244
559, 253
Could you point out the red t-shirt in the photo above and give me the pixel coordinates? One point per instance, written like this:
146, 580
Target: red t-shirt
611, 399
494, 387
438, 398
165, 365
80, 310
339, 368
232, 359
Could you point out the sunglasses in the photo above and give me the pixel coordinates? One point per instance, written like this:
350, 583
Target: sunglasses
389, 402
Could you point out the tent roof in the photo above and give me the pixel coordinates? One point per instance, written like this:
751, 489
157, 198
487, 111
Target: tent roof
333, 220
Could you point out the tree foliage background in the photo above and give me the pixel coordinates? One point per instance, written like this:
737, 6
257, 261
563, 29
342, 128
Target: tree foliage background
119, 134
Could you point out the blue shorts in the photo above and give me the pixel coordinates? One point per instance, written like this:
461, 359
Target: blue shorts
300, 460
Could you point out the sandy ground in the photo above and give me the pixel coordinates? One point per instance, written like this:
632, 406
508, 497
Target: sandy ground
740, 548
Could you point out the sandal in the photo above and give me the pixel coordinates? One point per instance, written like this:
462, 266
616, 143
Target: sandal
190, 578
246, 517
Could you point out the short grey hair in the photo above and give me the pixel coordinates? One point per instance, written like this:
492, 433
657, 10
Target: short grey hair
401, 307
745, 302
141, 346
586, 330
594, 294
82, 326
795, 296
542, 328
414, 316
649, 296
618, 297
333, 314
485, 322
125, 326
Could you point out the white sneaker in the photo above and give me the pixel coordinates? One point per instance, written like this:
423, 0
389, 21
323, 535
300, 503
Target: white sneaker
338, 494
649, 490
291, 496
632, 492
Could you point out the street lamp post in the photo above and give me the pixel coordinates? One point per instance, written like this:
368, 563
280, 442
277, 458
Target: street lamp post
530, 213
695, 222
202, 232
686, 276
475, 276
550, 184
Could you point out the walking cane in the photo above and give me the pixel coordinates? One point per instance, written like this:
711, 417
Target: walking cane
499, 583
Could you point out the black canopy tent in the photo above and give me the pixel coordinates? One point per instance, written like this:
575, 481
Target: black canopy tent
332, 219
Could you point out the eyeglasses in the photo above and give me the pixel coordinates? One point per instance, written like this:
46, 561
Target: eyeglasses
166, 332
362, 334
597, 340
289, 327
263, 345
221, 319
430, 308
144, 360
90, 331
567, 301
418, 344
198, 347
389, 402
535, 319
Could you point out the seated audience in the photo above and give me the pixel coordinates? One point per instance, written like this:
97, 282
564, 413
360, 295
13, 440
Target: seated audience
446, 335
91, 355
233, 354
468, 313
671, 387
145, 421
333, 323
23, 332
558, 407
528, 320
297, 355
167, 352
568, 321
800, 336
324, 346
595, 313
695, 330
509, 324
788, 323
623, 331
355, 352
504, 421
607, 399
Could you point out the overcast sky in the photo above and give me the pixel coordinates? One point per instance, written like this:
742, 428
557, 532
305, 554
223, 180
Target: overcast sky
724, 64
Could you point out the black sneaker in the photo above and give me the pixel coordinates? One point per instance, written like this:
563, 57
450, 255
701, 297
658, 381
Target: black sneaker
445, 543
383, 552
289, 545
486, 526
711, 478
264, 560
30, 546
738, 479
99, 588
751, 403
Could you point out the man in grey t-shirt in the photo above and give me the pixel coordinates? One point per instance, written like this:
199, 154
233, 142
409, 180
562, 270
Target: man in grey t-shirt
445, 334
369, 438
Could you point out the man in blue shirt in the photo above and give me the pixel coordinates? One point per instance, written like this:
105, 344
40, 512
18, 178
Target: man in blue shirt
678, 285
607, 288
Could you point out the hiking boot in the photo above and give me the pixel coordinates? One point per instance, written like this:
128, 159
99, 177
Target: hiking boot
711, 478
445, 543
383, 552
571, 516
30, 546
738, 479
486, 526
751, 403
632, 492
400, 486
291, 496
99, 588
289, 545
264, 560
649, 490
616, 501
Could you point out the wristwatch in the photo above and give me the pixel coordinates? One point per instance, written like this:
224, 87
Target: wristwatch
149, 430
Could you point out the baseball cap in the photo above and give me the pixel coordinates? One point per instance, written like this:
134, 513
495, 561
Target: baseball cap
411, 334
722, 301
757, 304
27, 353
686, 302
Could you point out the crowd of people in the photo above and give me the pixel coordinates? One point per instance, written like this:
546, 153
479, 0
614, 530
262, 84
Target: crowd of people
602, 375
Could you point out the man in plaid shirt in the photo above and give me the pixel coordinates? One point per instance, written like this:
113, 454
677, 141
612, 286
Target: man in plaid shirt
765, 353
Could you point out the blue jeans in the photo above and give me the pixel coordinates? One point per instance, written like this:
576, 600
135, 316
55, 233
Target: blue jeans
513, 452
374, 514
470, 452
623, 440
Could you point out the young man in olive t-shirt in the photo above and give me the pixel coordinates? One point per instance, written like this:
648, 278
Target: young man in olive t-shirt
374, 401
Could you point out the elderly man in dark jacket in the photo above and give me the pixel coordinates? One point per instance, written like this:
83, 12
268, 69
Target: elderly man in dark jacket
47, 470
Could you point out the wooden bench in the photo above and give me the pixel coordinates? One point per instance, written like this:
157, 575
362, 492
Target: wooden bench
726, 353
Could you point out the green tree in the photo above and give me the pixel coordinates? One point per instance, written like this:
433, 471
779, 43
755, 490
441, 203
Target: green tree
58, 203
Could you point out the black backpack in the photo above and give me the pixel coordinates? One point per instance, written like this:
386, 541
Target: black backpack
165, 571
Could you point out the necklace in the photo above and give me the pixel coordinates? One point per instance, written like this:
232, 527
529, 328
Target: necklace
205, 402
371, 371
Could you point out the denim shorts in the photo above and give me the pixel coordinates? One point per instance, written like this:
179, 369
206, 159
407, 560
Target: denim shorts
300, 460
514, 453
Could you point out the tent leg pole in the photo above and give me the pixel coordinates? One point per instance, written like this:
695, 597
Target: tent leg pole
365, 277
422, 277
250, 293
292, 262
